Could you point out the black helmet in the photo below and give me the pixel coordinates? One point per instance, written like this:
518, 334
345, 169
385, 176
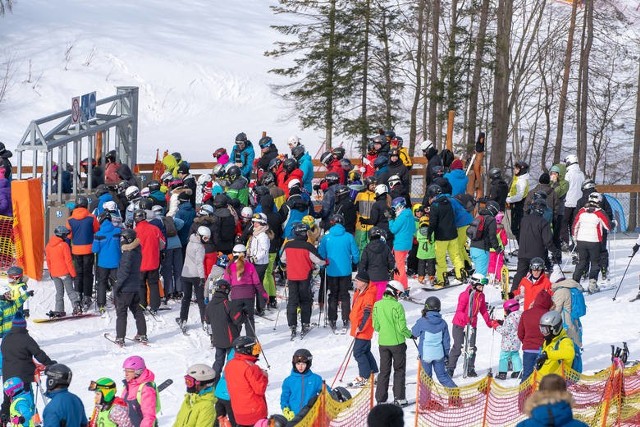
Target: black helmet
220, 201
536, 263
289, 165
332, 178
376, 233
340, 394
261, 190
379, 139
390, 134
246, 345
302, 355
268, 178
539, 206
265, 142
82, 202
111, 156
278, 420
326, 157
495, 173
551, 324
371, 148
153, 185
61, 231
222, 286
336, 219
274, 163
432, 304
146, 203
241, 137
139, 215
233, 173
177, 156
104, 216
300, 229
380, 161
434, 190
338, 152
58, 375
493, 207
438, 170
127, 236
298, 151
524, 166
101, 189
588, 184
370, 180
342, 190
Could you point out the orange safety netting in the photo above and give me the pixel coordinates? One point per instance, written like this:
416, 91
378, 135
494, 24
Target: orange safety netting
7, 249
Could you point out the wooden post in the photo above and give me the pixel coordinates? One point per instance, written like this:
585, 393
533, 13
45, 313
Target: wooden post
452, 114
486, 402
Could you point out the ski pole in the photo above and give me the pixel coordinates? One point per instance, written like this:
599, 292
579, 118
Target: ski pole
625, 273
343, 362
253, 331
286, 302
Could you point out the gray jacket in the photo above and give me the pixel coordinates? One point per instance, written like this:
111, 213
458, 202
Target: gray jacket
194, 258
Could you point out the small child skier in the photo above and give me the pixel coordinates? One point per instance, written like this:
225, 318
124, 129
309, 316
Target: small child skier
62, 271
510, 346
216, 273
9, 307
496, 260
22, 408
198, 406
18, 286
377, 260
301, 386
110, 410
426, 254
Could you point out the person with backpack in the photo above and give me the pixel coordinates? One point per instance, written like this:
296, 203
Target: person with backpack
482, 233
140, 392
533, 283
344, 206
398, 168
110, 410
558, 352
510, 344
568, 300
364, 202
219, 313
434, 341
223, 229
379, 212
106, 246
529, 332
496, 258
433, 160
152, 242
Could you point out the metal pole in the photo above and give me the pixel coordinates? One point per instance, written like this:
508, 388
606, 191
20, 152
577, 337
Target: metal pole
625, 273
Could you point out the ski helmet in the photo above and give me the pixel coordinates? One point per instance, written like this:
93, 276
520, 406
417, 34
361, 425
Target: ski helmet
110, 206
134, 363
268, 178
239, 249
132, 192
293, 183
183, 168
233, 173
289, 165
377, 233
588, 184
127, 236
204, 232
206, 210
338, 152
379, 139
155, 185
495, 173
259, 218
354, 176
104, 216
111, 156
492, 207
394, 288
265, 142
219, 171
551, 324
309, 221
15, 273
425, 145
219, 152
139, 215
393, 180
58, 375
247, 345
222, 261
571, 159
177, 156
300, 229
13, 386
157, 210
145, 203
82, 202
398, 203
370, 180
304, 356
106, 387
342, 190
61, 231
241, 138
297, 152
222, 285
536, 263
381, 189
336, 219
219, 201
523, 166
101, 190
278, 420
595, 198
390, 134
326, 158
478, 279
511, 305
293, 141
340, 394
4, 290
332, 178
432, 304
166, 177
201, 373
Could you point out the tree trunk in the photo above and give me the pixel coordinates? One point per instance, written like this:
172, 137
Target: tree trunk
418, 67
583, 93
388, 120
635, 164
562, 105
501, 84
365, 79
328, 117
451, 86
475, 79
433, 93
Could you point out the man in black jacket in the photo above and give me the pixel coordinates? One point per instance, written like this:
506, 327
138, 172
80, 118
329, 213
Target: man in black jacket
498, 188
536, 240
223, 228
18, 351
219, 314
345, 207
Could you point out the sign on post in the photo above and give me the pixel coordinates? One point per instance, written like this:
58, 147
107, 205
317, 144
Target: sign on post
88, 106
75, 110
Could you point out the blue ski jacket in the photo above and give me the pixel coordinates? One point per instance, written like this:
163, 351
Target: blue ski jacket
106, 244
403, 228
433, 333
344, 251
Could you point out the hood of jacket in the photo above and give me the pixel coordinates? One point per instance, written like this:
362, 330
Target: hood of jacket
550, 407
543, 300
337, 230
434, 317
431, 152
169, 162
80, 213
566, 283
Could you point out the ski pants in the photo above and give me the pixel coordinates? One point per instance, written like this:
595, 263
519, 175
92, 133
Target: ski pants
604, 253
172, 270
103, 277
192, 285
462, 243
299, 295
458, 342
529, 358
412, 259
401, 265
245, 306
440, 369
129, 301
396, 355
426, 267
557, 230
150, 280
64, 283
442, 248
366, 362
269, 282
220, 358
567, 223
83, 282
496, 261
339, 291
505, 356
588, 258
517, 212
480, 259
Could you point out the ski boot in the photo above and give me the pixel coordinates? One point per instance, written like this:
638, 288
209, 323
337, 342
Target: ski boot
53, 314
294, 332
332, 325
273, 302
102, 309
141, 339
501, 376
77, 308
120, 342
471, 372
593, 286
401, 402
86, 304
345, 325
305, 329
515, 374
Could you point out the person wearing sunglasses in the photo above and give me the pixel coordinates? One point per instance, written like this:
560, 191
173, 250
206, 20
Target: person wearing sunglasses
301, 386
110, 410
198, 406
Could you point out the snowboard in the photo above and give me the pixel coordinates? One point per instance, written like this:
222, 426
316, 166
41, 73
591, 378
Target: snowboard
70, 317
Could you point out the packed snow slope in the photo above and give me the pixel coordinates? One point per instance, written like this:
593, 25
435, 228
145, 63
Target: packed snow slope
80, 343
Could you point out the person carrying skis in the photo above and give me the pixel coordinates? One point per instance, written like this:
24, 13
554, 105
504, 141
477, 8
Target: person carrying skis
529, 332
390, 323
471, 303
62, 271
246, 382
140, 392
106, 246
22, 408
533, 283
361, 320
300, 386
193, 275
339, 249
64, 408
126, 291
220, 317
510, 345
110, 410
558, 350
198, 406
377, 261
434, 341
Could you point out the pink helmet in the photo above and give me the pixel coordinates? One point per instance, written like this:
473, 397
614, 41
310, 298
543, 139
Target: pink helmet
499, 217
136, 363
511, 305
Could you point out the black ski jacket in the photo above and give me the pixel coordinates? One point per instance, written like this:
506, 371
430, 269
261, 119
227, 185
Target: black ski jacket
18, 351
377, 260
219, 315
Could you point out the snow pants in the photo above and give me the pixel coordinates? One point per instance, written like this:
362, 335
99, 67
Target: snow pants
299, 295
442, 248
440, 369
401, 265
150, 279
395, 355
62, 284
480, 260
129, 301
457, 332
192, 285
339, 291
366, 362
172, 270
505, 356
83, 282
104, 276
462, 243
588, 259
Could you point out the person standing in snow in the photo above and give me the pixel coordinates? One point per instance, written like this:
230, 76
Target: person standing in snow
106, 246
193, 276
364, 298
517, 193
403, 227
529, 332
64, 408
510, 345
575, 178
62, 270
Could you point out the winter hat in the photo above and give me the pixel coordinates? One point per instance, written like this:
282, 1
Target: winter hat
499, 217
363, 276
386, 415
19, 321
544, 178
456, 164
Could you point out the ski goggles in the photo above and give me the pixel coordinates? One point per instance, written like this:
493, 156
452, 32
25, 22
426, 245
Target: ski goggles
190, 382
300, 359
546, 330
94, 386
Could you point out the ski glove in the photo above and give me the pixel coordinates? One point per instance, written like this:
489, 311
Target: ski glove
288, 414
30, 293
635, 248
541, 359
17, 420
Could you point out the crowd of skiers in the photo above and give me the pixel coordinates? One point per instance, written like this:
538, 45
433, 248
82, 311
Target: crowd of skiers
257, 220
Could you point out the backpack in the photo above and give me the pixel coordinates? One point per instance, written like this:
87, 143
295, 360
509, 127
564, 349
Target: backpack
467, 201
170, 226
475, 230
578, 306
576, 365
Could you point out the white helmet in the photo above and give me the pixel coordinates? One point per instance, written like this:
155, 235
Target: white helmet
239, 249
393, 180
157, 209
381, 189
145, 192
201, 372
260, 218
110, 206
395, 286
426, 144
571, 159
204, 231
293, 183
246, 213
132, 192
293, 141
204, 179
4, 288
595, 197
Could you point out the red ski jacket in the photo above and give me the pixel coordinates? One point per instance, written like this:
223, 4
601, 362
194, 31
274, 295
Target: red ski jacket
247, 384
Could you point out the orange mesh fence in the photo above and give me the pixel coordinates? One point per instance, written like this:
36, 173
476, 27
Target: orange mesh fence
7, 248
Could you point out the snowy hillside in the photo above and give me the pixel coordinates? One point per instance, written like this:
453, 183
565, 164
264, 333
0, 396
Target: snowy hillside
80, 344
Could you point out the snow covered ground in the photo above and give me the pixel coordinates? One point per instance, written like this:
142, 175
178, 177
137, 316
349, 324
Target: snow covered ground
80, 344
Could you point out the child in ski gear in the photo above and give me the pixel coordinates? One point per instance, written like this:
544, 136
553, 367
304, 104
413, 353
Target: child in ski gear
533, 283
471, 302
389, 321
246, 382
106, 246
364, 298
245, 285
219, 314
403, 227
299, 387
496, 258
510, 346
216, 273
140, 392
364, 202
558, 351
563, 291
377, 260
110, 410
22, 407
64, 407
426, 253
193, 273
529, 332
18, 285
223, 408
434, 341
340, 250
479, 248
9, 307
126, 291
198, 406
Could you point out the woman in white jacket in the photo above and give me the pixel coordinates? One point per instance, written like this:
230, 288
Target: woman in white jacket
258, 252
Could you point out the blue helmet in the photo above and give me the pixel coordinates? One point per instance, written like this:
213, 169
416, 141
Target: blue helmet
13, 386
398, 202
223, 261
